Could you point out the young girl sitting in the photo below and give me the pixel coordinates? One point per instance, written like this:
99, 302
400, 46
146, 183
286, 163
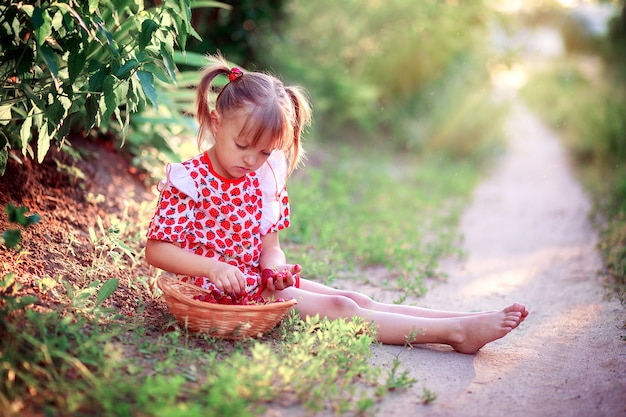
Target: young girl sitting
219, 215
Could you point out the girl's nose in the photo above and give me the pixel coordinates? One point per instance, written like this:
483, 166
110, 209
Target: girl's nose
249, 158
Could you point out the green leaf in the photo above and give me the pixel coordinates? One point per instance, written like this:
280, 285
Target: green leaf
49, 58
97, 78
54, 113
148, 27
196, 4
190, 58
69, 289
26, 133
42, 25
168, 59
5, 114
124, 71
4, 158
147, 85
12, 237
43, 144
106, 290
93, 5
110, 99
91, 111
18, 215
22, 302
7, 281
76, 61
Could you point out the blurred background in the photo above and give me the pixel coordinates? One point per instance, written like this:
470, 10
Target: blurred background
400, 91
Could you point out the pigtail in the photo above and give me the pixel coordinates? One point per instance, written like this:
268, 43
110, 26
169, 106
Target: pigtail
301, 119
218, 66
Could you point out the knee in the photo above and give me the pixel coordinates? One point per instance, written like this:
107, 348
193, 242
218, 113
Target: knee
342, 306
361, 300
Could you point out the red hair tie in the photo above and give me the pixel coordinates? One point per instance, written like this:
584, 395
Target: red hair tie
234, 74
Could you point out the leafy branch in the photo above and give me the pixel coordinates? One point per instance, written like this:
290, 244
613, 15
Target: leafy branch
67, 65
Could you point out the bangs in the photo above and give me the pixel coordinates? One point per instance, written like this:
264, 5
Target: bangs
266, 125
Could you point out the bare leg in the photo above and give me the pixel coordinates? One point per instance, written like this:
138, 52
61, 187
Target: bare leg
466, 334
369, 304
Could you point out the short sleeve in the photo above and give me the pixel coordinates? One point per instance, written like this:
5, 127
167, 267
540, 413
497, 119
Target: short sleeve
180, 177
272, 181
173, 218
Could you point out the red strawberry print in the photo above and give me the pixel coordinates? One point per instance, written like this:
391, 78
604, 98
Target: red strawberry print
223, 225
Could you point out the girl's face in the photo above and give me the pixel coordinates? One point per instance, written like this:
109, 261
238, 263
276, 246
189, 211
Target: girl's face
233, 156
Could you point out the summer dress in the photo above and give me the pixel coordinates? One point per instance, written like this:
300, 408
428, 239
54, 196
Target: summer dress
219, 218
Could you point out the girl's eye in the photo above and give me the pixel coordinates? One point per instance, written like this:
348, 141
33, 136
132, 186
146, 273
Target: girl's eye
266, 153
241, 146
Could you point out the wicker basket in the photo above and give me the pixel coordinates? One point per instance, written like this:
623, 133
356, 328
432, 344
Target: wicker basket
217, 320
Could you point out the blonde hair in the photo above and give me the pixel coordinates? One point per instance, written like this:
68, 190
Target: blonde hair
272, 109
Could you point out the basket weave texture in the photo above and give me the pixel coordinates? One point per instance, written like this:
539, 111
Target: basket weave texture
218, 320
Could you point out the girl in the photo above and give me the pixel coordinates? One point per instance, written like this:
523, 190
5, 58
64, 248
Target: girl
219, 215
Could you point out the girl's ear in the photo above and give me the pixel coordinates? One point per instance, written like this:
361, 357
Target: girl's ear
214, 119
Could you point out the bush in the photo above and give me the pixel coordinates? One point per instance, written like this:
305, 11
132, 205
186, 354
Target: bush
77, 65
379, 66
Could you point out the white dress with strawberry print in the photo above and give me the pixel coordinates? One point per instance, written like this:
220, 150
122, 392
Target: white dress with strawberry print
223, 219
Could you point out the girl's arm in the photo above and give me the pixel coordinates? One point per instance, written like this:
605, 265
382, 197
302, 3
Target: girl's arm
171, 258
272, 256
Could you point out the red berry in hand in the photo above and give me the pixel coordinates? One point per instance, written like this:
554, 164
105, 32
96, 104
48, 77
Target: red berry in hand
266, 274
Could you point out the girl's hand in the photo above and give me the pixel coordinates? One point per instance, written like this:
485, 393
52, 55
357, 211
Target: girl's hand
280, 277
227, 278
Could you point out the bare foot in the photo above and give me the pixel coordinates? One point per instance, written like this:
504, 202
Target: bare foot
479, 330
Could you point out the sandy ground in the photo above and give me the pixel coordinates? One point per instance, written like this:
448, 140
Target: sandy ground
528, 239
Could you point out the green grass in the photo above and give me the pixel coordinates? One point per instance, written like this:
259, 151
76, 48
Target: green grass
362, 209
352, 210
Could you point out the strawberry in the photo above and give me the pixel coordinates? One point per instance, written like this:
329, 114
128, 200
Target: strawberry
266, 274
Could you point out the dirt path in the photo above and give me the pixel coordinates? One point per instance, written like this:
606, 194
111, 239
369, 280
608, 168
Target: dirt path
528, 239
